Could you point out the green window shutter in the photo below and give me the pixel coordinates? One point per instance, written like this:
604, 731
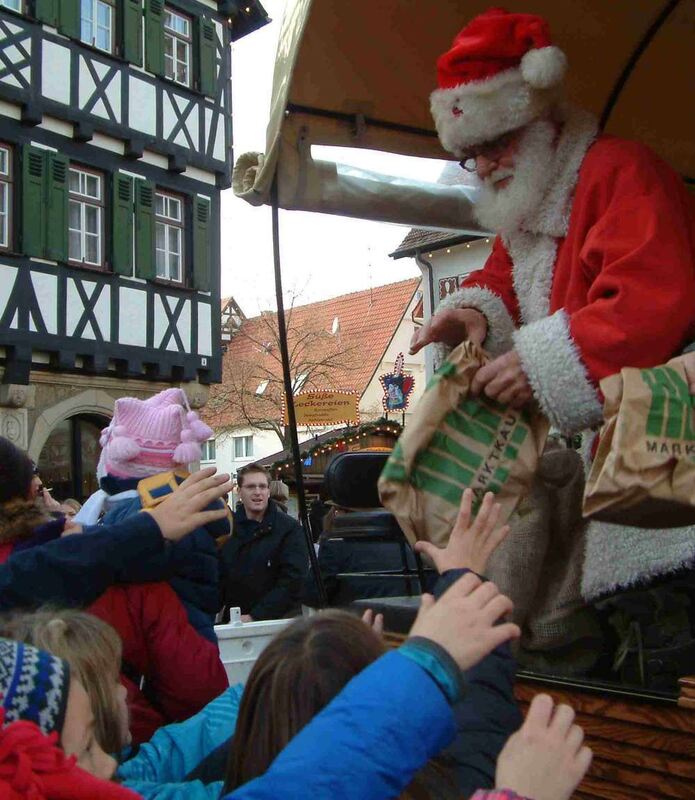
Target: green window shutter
47, 11
34, 168
131, 31
122, 230
57, 207
154, 36
69, 17
144, 230
201, 244
206, 56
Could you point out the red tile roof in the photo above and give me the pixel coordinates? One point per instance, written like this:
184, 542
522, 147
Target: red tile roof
346, 359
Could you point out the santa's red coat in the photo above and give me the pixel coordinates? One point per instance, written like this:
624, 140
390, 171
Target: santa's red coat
604, 279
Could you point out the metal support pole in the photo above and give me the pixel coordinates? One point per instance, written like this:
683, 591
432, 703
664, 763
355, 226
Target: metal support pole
289, 398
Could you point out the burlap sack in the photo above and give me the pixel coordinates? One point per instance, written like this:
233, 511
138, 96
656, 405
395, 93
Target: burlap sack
456, 441
643, 474
539, 565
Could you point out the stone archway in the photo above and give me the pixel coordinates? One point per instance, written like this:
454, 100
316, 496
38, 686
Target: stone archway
91, 401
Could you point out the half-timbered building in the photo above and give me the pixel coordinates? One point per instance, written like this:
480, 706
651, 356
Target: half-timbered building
115, 140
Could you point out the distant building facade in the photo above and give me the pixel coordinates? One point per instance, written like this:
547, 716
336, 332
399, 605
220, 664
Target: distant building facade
115, 142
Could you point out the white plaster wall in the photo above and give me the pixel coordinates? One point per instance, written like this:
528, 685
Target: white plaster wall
458, 260
447, 263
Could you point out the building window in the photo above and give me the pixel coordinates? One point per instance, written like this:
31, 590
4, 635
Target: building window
207, 450
177, 47
262, 386
13, 5
5, 196
86, 217
169, 237
97, 23
243, 447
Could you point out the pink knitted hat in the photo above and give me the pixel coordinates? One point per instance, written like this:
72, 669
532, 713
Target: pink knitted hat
154, 435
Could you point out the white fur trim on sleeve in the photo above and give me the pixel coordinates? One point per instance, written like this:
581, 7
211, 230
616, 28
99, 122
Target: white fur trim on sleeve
557, 375
500, 325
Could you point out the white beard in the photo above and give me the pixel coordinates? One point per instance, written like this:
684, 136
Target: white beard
506, 209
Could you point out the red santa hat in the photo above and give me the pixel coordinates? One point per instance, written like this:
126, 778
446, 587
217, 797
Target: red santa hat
500, 73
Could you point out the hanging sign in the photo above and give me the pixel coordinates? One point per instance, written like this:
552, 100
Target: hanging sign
397, 387
325, 408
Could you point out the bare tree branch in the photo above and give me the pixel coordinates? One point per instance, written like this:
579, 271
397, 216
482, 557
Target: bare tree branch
320, 358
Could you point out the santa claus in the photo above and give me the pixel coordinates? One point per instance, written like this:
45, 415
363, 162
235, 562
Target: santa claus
593, 266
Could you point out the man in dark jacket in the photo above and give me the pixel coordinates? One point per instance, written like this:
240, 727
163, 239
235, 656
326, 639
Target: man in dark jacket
265, 560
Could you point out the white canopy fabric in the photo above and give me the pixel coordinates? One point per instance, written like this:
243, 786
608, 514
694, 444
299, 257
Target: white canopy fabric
358, 73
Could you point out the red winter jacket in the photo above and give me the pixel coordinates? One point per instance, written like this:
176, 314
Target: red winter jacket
182, 670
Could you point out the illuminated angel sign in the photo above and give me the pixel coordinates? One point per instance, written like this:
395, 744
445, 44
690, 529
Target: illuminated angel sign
397, 387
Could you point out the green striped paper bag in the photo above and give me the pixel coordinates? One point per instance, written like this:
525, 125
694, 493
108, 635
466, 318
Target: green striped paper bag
644, 470
456, 441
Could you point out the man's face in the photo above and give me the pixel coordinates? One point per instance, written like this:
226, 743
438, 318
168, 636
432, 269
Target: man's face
254, 492
494, 161
514, 171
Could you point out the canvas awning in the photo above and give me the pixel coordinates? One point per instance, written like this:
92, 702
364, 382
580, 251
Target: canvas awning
359, 74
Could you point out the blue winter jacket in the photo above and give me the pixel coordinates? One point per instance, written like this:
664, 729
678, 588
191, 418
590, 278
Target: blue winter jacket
47, 573
158, 770
190, 566
367, 744
486, 716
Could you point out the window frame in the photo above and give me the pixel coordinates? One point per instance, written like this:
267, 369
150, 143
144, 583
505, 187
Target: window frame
7, 182
176, 36
246, 440
173, 223
19, 10
100, 204
111, 4
205, 451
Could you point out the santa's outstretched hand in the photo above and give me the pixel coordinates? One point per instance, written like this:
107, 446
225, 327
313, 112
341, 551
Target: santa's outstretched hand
451, 327
504, 380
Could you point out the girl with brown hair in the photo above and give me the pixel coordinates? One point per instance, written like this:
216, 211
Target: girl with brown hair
93, 650
296, 676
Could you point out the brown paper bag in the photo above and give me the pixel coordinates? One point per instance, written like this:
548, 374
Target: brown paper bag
644, 471
456, 441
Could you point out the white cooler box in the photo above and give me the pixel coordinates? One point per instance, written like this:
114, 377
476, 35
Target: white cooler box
241, 643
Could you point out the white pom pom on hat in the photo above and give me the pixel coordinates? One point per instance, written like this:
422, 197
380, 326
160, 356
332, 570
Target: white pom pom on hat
543, 67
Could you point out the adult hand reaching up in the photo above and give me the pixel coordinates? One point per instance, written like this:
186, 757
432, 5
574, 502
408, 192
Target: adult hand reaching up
451, 327
463, 621
471, 543
184, 509
546, 758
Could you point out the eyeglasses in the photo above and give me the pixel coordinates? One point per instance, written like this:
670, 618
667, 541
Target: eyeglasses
491, 150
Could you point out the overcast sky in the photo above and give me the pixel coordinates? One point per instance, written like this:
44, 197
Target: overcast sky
322, 255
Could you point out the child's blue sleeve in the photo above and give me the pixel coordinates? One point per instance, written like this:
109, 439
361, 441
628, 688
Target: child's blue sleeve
177, 749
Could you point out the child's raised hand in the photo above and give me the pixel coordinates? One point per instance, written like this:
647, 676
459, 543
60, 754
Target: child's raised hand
546, 758
374, 621
470, 544
464, 621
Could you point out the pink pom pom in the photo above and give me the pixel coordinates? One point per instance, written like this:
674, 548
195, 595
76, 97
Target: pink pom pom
187, 453
121, 448
187, 435
201, 431
120, 430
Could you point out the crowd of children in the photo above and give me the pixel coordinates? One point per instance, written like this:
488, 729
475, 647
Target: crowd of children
112, 684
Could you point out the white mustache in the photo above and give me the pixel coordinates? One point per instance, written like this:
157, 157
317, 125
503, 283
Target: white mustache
499, 175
